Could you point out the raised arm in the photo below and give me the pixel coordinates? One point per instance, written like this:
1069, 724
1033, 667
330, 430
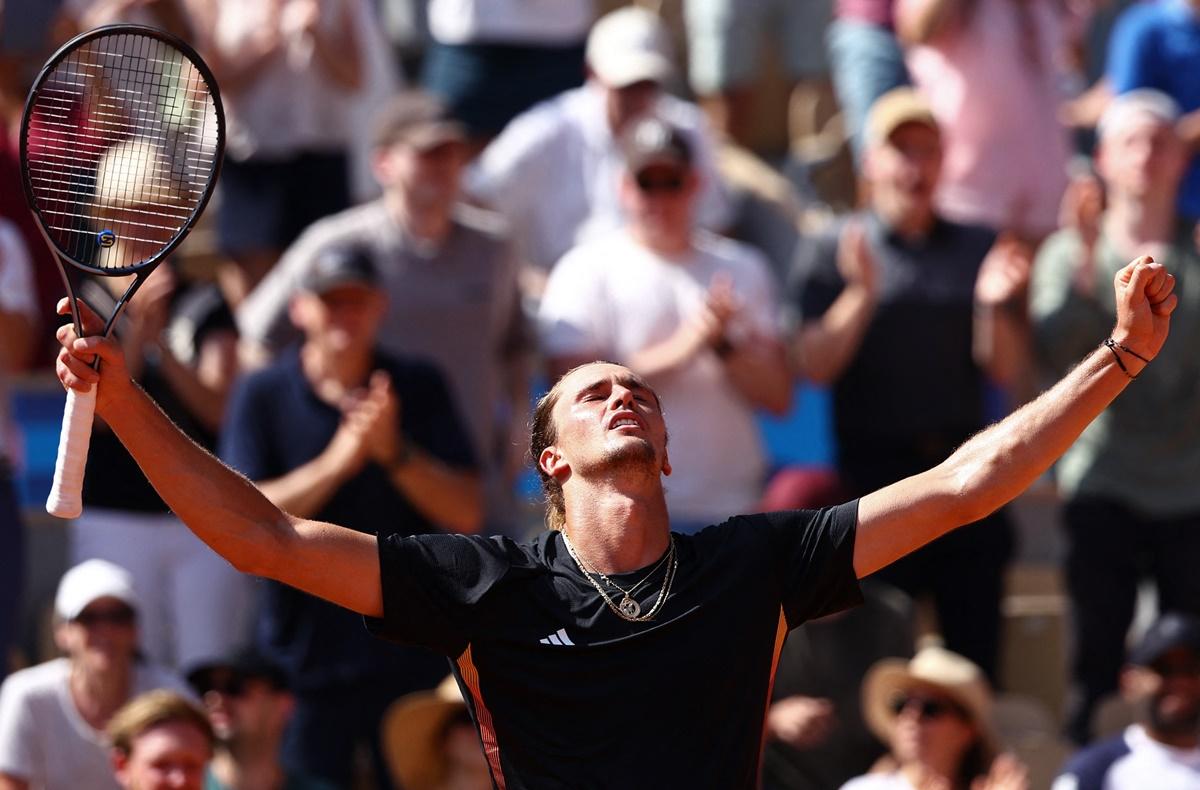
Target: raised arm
224, 509
996, 465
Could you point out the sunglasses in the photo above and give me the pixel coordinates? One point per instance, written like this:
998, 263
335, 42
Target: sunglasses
650, 183
1177, 669
927, 708
234, 686
121, 616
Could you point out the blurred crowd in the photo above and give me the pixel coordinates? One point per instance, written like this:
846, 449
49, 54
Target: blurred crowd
428, 210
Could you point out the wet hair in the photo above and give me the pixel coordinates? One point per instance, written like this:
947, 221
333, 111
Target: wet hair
543, 433
154, 709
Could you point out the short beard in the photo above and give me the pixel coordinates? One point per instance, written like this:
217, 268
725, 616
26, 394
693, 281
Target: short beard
1182, 723
638, 455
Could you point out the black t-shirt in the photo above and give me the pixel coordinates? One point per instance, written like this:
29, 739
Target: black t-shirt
912, 392
276, 423
566, 694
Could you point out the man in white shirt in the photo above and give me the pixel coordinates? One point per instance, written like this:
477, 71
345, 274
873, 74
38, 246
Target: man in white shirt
693, 314
554, 170
53, 715
1163, 750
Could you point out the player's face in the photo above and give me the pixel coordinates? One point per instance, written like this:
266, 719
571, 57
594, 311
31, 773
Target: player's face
170, 756
103, 636
607, 416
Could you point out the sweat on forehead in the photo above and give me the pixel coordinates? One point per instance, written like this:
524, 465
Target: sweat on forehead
592, 374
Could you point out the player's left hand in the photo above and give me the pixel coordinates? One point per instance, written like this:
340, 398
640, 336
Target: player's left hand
1144, 305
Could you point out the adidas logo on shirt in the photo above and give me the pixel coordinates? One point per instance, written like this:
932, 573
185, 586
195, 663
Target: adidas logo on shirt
559, 638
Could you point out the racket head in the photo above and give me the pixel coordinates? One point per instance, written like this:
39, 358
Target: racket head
121, 144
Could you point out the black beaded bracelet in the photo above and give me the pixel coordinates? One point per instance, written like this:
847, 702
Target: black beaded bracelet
1113, 345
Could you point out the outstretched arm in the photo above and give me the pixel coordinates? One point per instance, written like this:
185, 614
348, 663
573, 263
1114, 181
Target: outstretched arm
998, 464
224, 509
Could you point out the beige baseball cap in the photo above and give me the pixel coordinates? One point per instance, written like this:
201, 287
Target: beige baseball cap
894, 109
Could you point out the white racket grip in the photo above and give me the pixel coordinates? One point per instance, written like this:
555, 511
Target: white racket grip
66, 493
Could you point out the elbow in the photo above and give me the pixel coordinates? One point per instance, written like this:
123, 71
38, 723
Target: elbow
779, 401
263, 556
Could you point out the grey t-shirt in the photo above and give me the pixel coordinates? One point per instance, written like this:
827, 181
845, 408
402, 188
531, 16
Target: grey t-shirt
1144, 449
43, 738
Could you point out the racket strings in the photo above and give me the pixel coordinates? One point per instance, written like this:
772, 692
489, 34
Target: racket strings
123, 143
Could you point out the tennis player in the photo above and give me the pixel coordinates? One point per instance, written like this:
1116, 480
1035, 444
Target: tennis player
609, 652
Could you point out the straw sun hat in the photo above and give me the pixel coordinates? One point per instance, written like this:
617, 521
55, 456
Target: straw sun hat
934, 670
411, 729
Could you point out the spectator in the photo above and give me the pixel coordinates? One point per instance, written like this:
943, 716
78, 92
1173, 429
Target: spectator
887, 305
693, 314
991, 70
76, 16
933, 713
183, 346
291, 72
53, 715
1131, 504
160, 741
493, 59
865, 59
338, 431
725, 38
249, 704
1163, 749
450, 278
432, 744
1156, 45
817, 739
18, 323
554, 171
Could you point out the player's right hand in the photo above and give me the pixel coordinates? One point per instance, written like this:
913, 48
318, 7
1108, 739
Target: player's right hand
74, 365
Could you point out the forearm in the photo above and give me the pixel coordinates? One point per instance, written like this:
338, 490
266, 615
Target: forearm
1002, 345
826, 346
990, 469
220, 506
664, 357
448, 497
306, 489
337, 51
760, 374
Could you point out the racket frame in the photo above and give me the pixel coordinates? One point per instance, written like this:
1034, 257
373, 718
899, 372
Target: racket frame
72, 269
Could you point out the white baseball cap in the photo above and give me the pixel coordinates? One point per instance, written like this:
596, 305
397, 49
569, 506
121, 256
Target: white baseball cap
630, 45
1136, 107
90, 581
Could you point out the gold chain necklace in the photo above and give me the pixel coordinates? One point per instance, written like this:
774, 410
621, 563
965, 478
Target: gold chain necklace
628, 608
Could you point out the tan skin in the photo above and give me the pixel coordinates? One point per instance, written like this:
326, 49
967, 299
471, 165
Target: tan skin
617, 515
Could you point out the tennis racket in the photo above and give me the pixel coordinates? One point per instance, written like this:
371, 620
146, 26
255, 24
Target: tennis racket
121, 143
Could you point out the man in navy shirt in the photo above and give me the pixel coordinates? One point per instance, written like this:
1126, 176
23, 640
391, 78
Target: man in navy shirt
340, 431
611, 652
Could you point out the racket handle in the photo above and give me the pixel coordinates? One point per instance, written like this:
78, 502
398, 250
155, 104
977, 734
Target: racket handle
66, 493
